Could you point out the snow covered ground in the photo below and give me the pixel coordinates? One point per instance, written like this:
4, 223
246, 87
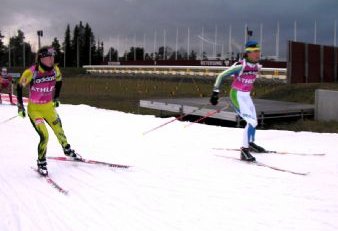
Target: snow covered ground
177, 180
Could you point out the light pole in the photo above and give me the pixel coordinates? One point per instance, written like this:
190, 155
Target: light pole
202, 44
64, 55
23, 52
155, 40
335, 33
245, 33
176, 45
277, 41
315, 33
40, 34
90, 50
77, 52
134, 51
1, 37
9, 53
249, 34
118, 46
261, 37
230, 41
144, 47
295, 31
188, 48
215, 44
164, 45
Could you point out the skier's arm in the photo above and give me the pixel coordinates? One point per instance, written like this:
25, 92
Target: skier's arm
235, 69
19, 94
23, 81
58, 73
58, 86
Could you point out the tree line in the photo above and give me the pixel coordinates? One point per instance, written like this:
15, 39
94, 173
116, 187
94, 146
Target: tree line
80, 47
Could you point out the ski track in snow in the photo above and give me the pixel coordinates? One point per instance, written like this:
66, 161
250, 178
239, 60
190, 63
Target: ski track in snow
175, 182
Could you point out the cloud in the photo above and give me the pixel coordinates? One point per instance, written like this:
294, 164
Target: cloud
126, 19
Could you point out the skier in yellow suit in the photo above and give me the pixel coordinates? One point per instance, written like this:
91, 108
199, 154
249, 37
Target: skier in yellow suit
44, 80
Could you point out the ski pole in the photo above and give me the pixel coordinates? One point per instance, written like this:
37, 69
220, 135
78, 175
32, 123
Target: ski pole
210, 113
9, 119
174, 119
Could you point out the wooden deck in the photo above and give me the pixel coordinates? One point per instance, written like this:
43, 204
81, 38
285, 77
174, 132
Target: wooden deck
266, 109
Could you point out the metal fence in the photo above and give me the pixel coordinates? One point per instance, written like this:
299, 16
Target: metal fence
201, 71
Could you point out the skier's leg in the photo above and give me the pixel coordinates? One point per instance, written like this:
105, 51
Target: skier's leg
253, 123
41, 129
251, 131
53, 120
244, 107
38, 123
249, 134
10, 95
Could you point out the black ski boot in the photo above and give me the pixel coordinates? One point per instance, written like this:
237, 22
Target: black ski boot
246, 155
255, 148
42, 167
71, 153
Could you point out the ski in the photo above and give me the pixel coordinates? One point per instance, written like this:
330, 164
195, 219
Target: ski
52, 182
87, 161
261, 164
275, 152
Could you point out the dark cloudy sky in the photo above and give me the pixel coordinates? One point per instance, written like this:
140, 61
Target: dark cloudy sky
119, 22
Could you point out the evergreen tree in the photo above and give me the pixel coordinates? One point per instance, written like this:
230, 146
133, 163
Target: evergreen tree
101, 53
181, 54
67, 48
135, 53
204, 56
165, 53
81, 47
148, 56
59, 55
193, 55
19, 48
88, 45
2, 51
29, 55
98, 54
74, 47
111, 55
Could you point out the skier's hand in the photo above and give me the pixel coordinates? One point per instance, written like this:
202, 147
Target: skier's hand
56, 102
21, 111
214, 98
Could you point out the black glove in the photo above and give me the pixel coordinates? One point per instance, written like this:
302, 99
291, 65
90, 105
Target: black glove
21, 111
56, 102
214, 98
